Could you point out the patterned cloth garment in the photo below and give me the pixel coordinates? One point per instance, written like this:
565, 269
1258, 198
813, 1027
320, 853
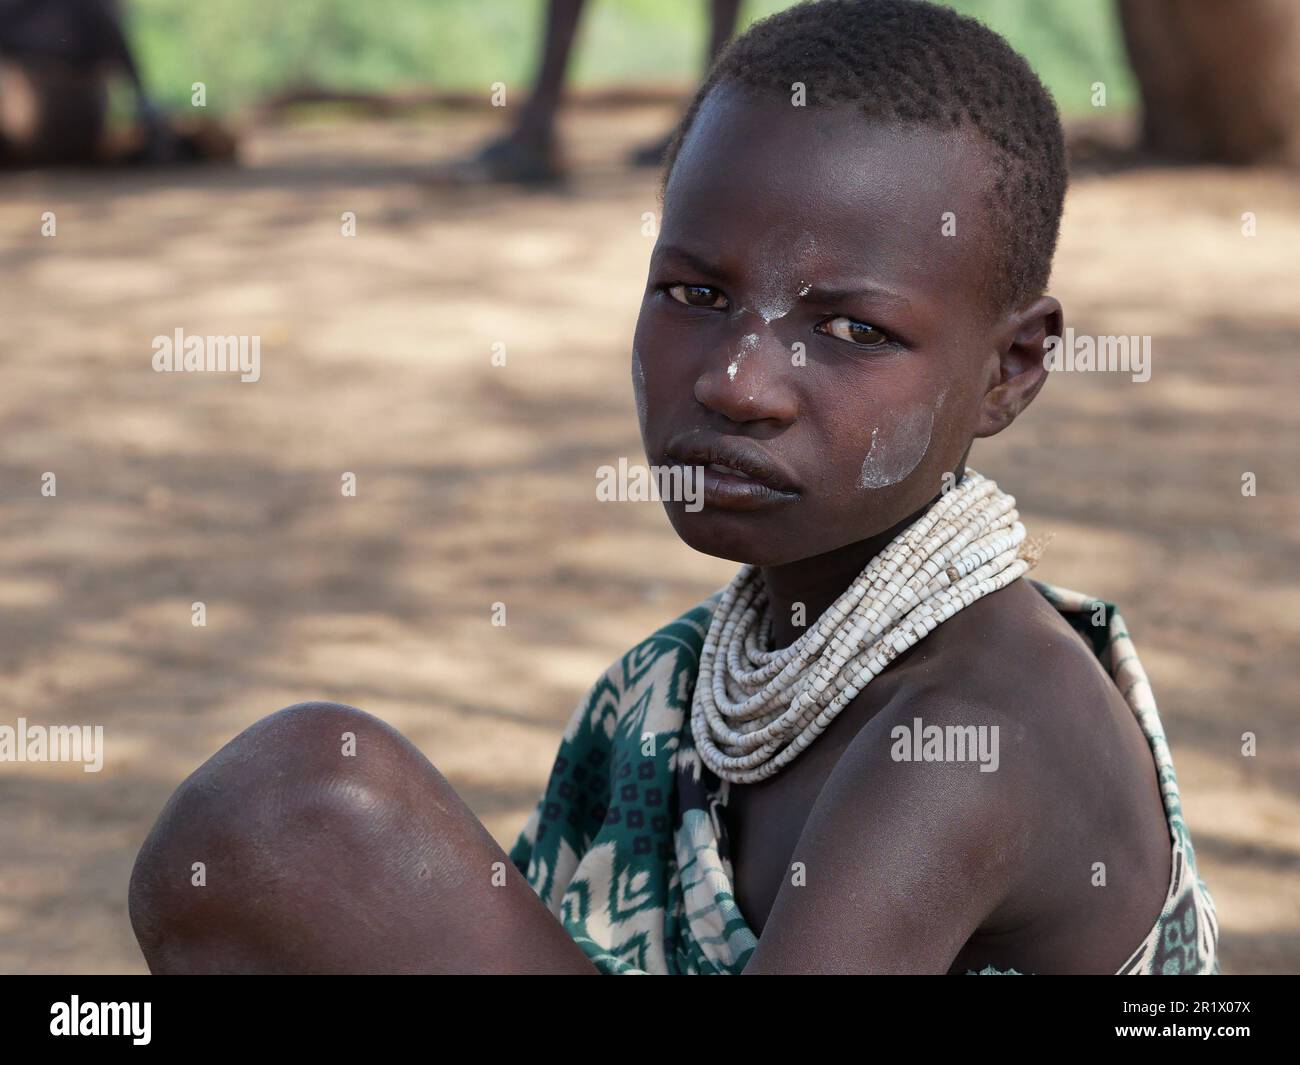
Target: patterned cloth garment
626, 845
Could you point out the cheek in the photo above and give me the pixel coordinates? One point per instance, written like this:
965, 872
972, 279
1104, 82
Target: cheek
898, 444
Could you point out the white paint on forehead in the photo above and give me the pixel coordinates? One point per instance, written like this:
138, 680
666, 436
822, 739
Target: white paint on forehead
775, 257
897, 450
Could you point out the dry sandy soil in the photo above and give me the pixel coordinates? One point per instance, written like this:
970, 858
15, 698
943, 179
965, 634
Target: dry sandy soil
475, 485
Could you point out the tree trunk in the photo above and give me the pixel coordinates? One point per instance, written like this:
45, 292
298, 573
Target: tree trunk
1220, 79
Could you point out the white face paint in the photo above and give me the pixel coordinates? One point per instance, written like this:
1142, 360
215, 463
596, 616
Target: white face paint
638, 386
747, 344
899, 449
771, 299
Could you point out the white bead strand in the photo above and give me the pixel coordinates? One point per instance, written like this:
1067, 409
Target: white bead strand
755, 710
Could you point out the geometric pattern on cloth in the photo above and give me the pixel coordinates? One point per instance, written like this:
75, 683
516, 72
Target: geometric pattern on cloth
628, 848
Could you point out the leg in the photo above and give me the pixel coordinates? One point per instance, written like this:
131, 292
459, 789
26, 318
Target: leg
537, 124
59, 59
528, 154
722, 24
52, 112
104, 25
317, 860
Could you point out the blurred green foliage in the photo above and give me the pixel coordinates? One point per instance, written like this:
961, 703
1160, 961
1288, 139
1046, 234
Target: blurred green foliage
245, 50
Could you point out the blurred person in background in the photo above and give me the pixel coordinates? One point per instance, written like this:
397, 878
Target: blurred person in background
529, 154
58, 59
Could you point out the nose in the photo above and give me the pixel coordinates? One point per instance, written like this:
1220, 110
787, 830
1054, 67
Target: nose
749, 380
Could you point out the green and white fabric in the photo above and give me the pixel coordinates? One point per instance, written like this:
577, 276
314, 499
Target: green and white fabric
627, 845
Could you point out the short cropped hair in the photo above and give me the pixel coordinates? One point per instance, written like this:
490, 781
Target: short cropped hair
914, 62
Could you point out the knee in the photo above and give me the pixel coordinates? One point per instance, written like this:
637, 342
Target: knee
303, 746
321, 756
306, 728
283, 804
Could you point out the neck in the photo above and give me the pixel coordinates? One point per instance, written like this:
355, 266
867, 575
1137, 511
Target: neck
818, 581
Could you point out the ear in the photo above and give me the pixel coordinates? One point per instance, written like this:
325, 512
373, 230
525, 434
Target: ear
1019, 371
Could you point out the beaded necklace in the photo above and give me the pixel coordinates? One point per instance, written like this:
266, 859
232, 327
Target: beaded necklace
755, 710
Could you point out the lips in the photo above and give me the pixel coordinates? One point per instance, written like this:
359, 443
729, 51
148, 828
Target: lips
735, 460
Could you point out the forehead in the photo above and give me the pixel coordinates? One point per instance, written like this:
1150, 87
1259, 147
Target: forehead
866, 194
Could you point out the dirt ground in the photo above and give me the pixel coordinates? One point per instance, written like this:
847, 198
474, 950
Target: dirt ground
475, 486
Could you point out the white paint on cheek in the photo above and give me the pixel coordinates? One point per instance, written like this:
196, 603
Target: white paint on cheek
638, 385
747, 344
899, 450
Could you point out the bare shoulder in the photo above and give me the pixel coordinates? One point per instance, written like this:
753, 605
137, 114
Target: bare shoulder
921, 829
1074, 775
1009, 698
1011, 660
1015, 659
1011, 715
994, 763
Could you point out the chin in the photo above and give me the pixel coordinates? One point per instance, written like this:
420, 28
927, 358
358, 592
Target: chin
753, 537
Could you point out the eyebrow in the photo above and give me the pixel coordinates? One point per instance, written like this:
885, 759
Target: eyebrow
699, 262
815, 294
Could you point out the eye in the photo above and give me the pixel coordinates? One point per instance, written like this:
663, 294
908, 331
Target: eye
698, 296
862, 334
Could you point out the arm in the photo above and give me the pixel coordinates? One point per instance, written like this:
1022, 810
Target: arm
904, 860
